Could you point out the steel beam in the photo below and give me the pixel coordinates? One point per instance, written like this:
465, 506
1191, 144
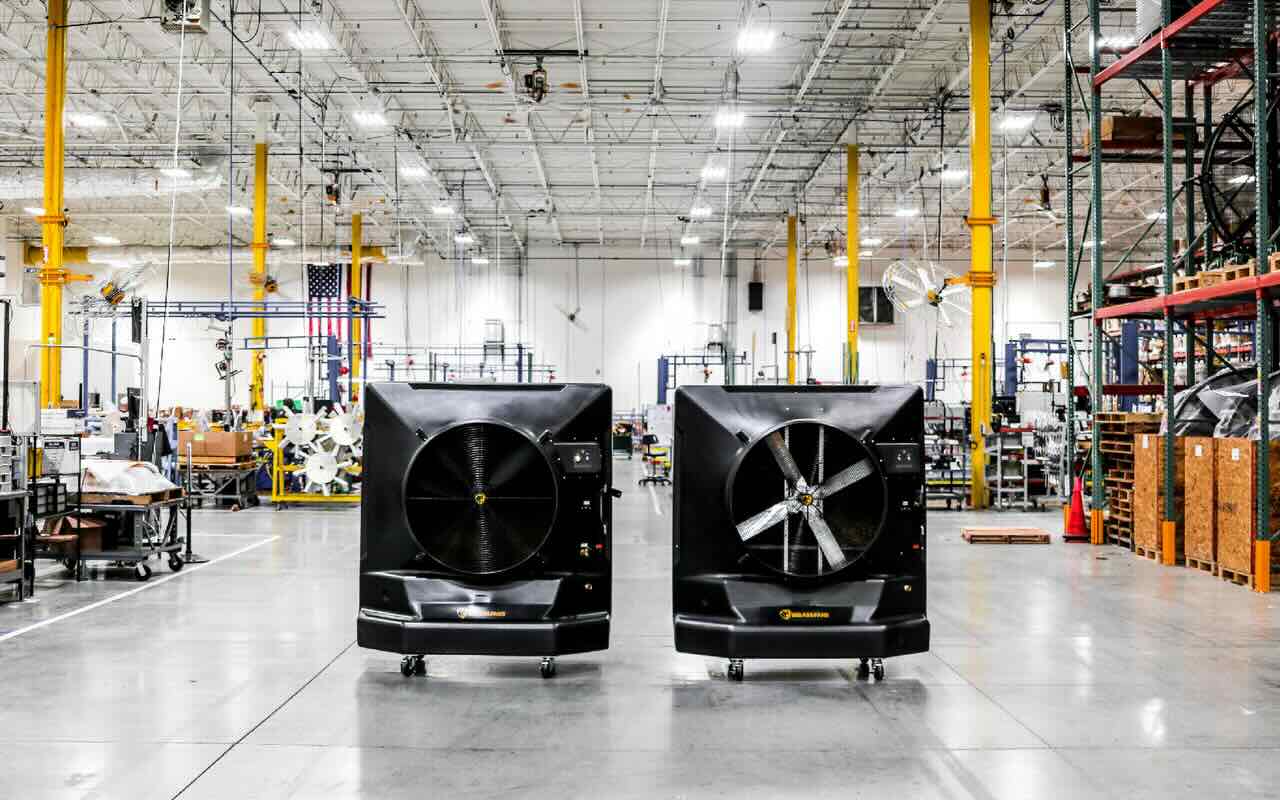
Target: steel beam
53, 275
791, 297
853, 247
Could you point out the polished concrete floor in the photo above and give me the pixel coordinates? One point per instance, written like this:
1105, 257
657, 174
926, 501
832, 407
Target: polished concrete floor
1056, 672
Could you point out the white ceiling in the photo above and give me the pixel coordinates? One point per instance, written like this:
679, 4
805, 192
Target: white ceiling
614, 153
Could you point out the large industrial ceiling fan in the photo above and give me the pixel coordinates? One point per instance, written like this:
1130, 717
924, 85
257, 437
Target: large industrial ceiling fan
914, 284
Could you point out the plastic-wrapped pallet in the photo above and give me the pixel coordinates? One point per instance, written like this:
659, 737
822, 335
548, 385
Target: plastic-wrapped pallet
123, 477
1194, 408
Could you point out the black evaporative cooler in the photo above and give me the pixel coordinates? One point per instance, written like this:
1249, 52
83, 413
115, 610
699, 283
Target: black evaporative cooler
800, 523
484, 528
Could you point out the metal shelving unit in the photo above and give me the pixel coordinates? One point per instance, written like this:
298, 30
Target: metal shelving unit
1213, 41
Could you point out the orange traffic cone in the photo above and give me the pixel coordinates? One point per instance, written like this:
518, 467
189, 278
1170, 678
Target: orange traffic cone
1075, 531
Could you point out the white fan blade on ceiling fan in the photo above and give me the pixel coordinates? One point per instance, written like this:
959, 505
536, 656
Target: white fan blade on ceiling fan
826, 539
759, 523
778, 446
957, 307
844, 479
953, 289
914, 302
945, 317
925, 278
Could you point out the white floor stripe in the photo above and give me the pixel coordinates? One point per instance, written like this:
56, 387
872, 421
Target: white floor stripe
654, 496
150, 584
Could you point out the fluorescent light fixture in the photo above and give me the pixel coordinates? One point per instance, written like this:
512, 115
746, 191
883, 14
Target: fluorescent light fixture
1155, 215
308, 40
1044, 264
283, 241
82, 119
175, 172
369, 119
690, 241
413, 172
700, 211
1016, 122
865, 254
1115, 42
840, 262
34, 211
464, 238
713, 172
730, 118
756, 40
955, 174
238, 211
906, 212
872, 241
1088, 243
1239, 179
110, 241
442, 210
682, 262
480, 261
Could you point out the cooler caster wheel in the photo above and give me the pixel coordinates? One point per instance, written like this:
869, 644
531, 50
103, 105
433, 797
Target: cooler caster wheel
877, 668
548, 668
864, 669
175, 562
142, 571
70, 564
735, 670
413, 665
235, 507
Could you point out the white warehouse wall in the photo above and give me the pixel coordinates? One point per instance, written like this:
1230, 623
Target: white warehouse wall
635, 306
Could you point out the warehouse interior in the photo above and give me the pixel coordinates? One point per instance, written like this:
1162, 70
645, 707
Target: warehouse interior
770, 398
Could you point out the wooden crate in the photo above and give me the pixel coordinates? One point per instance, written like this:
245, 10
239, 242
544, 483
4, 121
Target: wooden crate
1005, 535
1235, 507
1200, 496
103, 499
1148, 490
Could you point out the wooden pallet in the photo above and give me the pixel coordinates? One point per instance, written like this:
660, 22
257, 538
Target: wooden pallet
1005, 536
1147, 552
1238, 578
222, 461
104, 499
1210, 567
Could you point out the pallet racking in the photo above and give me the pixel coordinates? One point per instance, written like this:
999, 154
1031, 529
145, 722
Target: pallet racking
1213, 41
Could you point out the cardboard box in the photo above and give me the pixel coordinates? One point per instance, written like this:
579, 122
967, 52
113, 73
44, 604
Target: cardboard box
1144, 131
222, 444
89, 529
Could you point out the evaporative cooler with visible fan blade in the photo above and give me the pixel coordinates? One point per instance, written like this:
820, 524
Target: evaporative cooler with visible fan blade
485, 521
800, 523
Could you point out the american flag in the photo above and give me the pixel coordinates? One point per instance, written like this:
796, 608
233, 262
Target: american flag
324, 295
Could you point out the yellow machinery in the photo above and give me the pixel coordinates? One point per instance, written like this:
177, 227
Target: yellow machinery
279, 478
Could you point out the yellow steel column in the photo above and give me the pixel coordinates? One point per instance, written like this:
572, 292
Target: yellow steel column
853, 246
53, 275
791, 298
258, 368
981, 278
357, 325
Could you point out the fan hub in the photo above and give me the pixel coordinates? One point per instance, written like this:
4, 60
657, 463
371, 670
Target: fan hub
480, 498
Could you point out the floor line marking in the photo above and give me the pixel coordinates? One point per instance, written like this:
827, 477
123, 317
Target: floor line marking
150, 584
654, 496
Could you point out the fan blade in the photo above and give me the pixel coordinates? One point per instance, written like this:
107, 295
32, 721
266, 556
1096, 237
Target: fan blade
925, 278
902, 281
844, 479
945, 317
956, 307
953, 289
826, 539
511, 467
783, 456
755, 525
914, 302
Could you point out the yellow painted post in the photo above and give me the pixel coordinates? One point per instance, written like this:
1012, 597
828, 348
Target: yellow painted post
791, 298
357, 325
1096, 525
980, 222
1262, 565
258, 368
853, 246
53, 224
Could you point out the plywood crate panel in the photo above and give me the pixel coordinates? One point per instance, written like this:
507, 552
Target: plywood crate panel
1200, 500
1235, 508
1148, 490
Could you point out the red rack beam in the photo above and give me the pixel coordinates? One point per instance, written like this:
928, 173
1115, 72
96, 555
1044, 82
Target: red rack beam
1158, 39
1244, 290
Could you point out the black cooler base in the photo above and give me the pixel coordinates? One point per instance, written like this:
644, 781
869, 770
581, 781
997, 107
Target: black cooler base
555, 638
711, 637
